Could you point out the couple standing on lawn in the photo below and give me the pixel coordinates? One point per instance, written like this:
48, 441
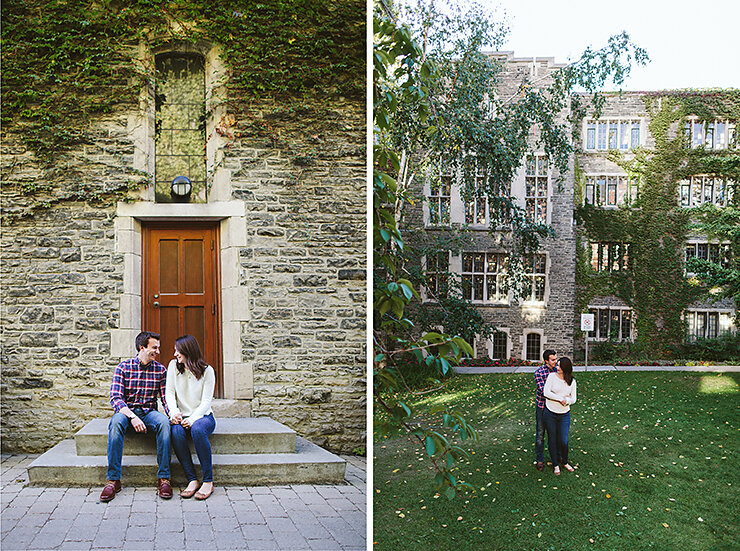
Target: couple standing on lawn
556, 391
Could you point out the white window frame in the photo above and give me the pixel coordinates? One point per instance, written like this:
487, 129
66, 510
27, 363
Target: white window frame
534, 275
600, 256
506, 331
697, 133
503, 259
543, 341
426, 296
704, 188
626, 190
537, 187
438, 199
723, 314
596, 335
699, 247
618, 134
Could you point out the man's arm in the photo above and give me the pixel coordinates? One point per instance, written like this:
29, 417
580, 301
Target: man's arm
116, 399
163, 391
540, 378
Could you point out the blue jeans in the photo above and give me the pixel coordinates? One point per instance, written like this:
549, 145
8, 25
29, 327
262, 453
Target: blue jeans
199, 431
539, 436
155, 422
558, 427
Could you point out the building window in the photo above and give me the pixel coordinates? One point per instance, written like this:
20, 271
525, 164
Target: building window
533, 345
707, 324
710, 135
485, 277
478, 209
439, 201
535, 278
609, 257
536, 189
179, 131
611, 324
612, 134
437, 275
500, 348
611, 191
718, 253
702, 189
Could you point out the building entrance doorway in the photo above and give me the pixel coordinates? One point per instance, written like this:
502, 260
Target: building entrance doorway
181, 283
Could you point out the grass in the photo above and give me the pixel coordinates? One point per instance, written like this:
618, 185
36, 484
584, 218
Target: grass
656, 456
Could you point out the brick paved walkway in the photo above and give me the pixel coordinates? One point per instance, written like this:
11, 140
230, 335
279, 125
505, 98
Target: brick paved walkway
310, 516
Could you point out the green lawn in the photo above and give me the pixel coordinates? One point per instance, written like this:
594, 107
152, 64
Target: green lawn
657, 468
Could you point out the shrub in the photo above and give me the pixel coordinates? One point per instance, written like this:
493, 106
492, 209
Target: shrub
488, 362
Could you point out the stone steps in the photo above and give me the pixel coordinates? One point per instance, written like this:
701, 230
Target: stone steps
232, 435
246, 451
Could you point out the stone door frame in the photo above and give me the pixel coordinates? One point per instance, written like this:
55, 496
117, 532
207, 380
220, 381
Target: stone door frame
238, 375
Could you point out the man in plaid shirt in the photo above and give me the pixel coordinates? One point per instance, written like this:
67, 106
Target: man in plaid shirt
540, 376
133, 395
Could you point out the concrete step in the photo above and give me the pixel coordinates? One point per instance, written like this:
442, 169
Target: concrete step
309, 464
232, 436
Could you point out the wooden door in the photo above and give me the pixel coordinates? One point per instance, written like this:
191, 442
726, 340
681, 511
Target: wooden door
181, 282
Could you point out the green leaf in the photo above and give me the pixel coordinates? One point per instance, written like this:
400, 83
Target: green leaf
431, 447
450, 493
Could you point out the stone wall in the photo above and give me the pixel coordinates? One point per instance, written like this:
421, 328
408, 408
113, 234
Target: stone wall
304, 192
306, 270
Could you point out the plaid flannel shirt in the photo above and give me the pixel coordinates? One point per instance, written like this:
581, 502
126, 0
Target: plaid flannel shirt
137, 385
540, 376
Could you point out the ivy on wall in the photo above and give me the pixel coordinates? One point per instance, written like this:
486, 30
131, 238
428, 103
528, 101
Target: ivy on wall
654, 225
68, 62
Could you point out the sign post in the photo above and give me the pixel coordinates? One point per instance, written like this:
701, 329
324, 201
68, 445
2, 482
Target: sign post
587, 324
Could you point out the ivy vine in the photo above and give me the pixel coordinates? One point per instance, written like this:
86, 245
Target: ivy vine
654, 225
68, 62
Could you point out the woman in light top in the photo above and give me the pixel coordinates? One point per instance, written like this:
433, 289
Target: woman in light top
560, 393
189, 393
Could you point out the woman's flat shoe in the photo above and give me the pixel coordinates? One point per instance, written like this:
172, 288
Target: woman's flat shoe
556, 470
568, 468
188, 493
201, 495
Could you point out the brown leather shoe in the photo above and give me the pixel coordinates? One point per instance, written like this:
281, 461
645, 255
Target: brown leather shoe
110, 490
540, 465
164, 488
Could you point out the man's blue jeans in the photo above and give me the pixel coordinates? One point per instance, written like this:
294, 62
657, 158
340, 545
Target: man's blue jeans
558, 427
539, 437
199, 431
155, 422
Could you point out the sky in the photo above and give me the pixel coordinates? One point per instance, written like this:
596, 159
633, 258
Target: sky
690, 44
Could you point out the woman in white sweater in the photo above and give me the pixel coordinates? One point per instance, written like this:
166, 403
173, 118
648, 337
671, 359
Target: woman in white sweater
560, 393
189, 393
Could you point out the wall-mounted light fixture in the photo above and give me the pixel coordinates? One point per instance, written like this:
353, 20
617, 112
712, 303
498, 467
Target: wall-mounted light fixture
181, 188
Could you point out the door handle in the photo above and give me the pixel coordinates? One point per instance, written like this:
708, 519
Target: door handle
156, 304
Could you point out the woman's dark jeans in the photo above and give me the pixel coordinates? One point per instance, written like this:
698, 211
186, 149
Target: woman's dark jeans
199, 431
558, 427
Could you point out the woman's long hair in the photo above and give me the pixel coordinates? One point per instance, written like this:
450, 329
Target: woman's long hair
187, 345
566, 367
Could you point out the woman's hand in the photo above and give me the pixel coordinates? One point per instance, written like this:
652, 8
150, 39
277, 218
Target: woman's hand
176, 419
185, 423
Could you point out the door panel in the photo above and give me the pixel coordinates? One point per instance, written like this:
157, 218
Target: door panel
181, 282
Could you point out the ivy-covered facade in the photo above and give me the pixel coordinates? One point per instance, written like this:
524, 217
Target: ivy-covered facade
184, 167
650, 174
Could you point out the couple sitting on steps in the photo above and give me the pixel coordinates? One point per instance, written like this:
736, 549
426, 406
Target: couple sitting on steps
185, 388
